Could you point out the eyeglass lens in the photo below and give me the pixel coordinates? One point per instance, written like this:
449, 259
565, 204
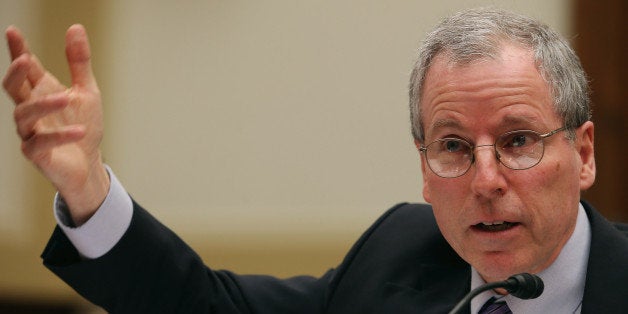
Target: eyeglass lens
452, 157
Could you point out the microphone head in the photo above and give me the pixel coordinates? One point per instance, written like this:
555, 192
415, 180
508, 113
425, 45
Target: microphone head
525, 286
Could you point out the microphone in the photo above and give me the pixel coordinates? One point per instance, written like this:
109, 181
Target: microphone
523, 286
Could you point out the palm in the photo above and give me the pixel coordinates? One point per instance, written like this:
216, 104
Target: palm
70, 159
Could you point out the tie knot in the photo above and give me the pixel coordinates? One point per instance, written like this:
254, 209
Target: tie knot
495, 306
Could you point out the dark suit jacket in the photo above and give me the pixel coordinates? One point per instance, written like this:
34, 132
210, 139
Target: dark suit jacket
401, 264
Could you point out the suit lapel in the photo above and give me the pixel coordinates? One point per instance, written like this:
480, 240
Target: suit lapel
434, 289
607, 270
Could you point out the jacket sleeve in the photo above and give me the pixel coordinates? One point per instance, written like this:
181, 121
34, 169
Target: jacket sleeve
151, 270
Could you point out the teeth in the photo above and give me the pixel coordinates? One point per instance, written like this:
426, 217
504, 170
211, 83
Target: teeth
489, 223
493, 226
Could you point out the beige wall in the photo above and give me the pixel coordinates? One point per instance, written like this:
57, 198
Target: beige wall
269, 134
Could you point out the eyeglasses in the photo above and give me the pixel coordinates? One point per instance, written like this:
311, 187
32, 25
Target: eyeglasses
518, 150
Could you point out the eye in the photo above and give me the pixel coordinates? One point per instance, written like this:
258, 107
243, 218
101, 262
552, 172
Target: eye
519, 139
452, 145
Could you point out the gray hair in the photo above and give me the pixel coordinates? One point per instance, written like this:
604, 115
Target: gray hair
480, 33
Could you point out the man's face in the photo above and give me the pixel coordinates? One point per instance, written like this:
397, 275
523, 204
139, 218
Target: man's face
478, 102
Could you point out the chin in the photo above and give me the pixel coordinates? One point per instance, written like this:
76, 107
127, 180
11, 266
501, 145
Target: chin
496, 268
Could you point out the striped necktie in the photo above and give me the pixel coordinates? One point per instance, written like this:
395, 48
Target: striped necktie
495, 306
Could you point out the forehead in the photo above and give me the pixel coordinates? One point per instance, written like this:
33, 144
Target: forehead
504, 89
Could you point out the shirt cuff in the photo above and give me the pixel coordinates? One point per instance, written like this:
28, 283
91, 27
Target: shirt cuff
105, 228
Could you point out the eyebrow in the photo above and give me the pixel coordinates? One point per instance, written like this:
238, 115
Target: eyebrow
446, 123
516, 121
519, 120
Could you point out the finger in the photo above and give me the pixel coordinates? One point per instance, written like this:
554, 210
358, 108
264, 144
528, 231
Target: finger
36, 71
27, 114
40, 145
79, 56
14, 81
18, 47
17, 43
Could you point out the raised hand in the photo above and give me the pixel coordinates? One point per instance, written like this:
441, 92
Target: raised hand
61, 128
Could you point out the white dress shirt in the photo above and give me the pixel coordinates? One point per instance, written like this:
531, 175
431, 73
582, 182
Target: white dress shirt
105, 228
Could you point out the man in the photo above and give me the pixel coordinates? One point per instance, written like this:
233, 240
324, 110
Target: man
500, 116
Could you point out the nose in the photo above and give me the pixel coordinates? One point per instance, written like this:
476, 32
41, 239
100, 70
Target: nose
488, 180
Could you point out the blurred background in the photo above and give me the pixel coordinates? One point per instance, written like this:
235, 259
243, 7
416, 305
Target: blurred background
268, 134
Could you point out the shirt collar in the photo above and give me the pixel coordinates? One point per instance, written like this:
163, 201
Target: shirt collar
564, 280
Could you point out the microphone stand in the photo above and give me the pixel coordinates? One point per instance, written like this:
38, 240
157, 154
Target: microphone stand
523, 286
474, 293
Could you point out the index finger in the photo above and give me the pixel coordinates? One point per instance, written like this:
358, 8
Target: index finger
16, 42
17, 47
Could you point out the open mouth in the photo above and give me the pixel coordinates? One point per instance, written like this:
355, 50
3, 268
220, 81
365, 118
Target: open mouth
494, 226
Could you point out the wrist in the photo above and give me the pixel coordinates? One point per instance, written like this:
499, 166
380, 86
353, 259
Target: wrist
85, 201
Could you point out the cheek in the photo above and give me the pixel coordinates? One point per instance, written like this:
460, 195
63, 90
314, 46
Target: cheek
445, 192
447, 197
550, 183
562, 180
552, 196
446, 221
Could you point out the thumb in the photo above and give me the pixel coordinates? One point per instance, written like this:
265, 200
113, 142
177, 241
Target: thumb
79, 56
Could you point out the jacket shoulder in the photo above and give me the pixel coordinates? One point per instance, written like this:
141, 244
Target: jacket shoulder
394, 251
622, 227
605, 287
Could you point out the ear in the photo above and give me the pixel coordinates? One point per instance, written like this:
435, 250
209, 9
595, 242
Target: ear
584, 148
424, 170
